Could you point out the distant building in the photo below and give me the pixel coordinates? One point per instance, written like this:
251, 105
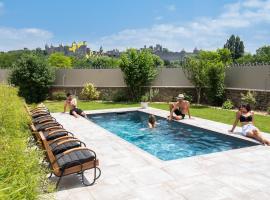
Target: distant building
167, 55
76, 49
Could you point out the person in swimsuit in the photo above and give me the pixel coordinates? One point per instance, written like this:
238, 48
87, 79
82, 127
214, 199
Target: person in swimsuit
152, 121
72, 104
246, 118
179, 109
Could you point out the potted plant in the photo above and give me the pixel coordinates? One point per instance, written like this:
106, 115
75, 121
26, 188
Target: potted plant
145, 99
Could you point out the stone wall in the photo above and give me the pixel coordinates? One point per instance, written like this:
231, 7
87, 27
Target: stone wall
167, 94
262, 97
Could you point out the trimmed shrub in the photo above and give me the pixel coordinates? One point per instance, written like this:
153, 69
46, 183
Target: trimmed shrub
89, 92
58, 95
227, 104
21, 174
139, 69
120, 96
188, 97
34, 77
268, 110
248, 98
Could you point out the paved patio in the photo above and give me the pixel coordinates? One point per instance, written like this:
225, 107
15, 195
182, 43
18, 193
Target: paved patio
129, 173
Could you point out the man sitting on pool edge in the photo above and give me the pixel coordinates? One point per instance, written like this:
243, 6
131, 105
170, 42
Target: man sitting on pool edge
72, 104
180, 108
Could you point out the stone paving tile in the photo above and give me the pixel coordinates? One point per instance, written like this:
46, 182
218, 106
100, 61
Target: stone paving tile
129, 173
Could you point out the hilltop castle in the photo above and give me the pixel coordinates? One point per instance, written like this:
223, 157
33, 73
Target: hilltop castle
81, 50
76, 49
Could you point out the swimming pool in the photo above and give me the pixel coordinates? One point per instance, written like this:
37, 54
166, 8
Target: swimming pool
170, 140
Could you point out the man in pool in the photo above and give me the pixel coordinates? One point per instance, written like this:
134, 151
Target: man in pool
72, 104
179, 109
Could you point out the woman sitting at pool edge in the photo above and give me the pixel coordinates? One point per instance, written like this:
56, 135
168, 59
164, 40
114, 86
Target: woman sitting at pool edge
246, 118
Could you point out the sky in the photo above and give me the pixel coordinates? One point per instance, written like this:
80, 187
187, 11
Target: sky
121, 24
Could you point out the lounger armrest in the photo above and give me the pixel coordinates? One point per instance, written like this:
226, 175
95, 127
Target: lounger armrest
33, 128
57, 131
53, 127
75, 149
46, 120
49, 122
63, 138
66, 141
79, 149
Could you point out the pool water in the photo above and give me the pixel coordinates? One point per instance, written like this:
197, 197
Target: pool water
169, 140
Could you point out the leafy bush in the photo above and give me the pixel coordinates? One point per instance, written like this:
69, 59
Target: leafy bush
140, 69
268, 110
89, 92
249, 98
216, 77
60, 60
105, 62
148, 96
21, 175
120, 96
227, 104
34, 78
58, 95
188, 97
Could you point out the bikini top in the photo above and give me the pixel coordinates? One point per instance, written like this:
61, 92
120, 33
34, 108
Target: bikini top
245, 118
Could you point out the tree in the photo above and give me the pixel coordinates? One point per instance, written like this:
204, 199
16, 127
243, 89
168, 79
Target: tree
140, 69
263, 54
60, 60
33, 76
236, 47
207, 70
247, 58
196, 72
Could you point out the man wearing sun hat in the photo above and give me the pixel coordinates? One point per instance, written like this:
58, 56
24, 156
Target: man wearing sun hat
179, 109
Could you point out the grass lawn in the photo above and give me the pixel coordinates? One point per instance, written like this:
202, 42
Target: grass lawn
219, 115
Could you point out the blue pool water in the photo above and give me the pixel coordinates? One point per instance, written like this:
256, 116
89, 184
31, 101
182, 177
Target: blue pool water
170, 140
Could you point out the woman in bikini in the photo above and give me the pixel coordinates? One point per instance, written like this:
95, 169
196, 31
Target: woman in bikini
246, 118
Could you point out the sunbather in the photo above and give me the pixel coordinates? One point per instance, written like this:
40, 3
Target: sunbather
246, 117
180, 108
72, 104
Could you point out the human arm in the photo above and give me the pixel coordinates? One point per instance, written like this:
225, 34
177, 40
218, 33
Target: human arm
236, 121
188, 110
65, 106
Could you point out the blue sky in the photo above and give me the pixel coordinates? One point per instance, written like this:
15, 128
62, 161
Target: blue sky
185, 24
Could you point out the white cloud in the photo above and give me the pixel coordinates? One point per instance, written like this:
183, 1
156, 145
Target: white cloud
171, 7
11, 38
205, 33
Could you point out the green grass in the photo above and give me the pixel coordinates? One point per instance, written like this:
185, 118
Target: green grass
58, 106
21, 174
205, 112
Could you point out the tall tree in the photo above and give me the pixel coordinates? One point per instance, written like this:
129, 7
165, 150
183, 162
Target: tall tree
60, 60
236, 47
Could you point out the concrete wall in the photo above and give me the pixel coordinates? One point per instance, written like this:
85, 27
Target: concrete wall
238, 77
169, 77
248, 77
99, 77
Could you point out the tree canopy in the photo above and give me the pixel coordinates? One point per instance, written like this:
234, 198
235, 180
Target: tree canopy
236, 47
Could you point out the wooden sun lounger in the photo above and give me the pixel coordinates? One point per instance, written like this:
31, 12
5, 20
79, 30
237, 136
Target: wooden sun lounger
70, 162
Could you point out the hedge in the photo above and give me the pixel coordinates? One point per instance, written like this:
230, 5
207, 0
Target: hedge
21, 173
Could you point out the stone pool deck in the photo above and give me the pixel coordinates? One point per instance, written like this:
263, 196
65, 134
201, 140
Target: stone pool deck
129, 173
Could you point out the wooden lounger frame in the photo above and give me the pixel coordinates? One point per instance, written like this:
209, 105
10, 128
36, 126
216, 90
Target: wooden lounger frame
56, 170
80, 168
